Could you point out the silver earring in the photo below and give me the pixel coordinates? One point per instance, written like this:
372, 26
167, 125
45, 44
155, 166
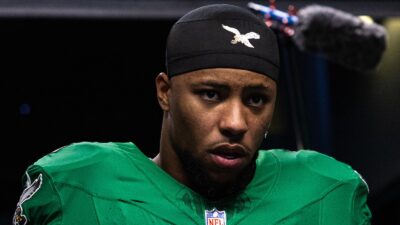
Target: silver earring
265, 134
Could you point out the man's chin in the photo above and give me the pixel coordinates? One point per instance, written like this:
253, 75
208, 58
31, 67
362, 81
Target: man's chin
215, 183
222, 184
223, 179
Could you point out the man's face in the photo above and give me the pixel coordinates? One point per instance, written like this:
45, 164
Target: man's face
218, 117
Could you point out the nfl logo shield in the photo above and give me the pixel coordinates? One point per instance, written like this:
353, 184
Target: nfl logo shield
215, 217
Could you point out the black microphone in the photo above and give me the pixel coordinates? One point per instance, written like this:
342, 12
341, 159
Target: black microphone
339, 36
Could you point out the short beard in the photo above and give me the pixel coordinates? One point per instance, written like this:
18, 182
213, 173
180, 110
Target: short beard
202, 183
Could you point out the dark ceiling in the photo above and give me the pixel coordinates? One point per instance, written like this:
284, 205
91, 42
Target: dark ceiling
167, 9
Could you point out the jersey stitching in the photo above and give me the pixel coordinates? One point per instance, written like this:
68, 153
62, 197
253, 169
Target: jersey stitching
270, 189
162, 193
95, 211
335, 186
354, 195
321, 209
84, 190
56, 192
104, 198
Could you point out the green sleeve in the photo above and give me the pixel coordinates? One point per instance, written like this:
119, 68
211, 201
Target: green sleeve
347, 204
39, 202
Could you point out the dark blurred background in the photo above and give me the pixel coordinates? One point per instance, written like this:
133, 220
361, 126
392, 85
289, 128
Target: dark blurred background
75, 71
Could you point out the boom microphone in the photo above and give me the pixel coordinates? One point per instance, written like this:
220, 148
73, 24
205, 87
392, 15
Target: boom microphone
339, 36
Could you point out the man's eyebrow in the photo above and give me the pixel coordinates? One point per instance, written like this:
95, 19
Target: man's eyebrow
258, 87
211, 83
224, 86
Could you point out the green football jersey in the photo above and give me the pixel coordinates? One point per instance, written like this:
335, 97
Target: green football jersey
115, 183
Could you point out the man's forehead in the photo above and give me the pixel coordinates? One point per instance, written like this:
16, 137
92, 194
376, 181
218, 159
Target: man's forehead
226, 73
227, 76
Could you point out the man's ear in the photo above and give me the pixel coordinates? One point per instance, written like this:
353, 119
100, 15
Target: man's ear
163, 87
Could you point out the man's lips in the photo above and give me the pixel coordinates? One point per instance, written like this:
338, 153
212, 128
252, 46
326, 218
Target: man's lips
229, 156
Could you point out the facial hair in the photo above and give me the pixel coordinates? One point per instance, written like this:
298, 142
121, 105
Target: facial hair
211, 189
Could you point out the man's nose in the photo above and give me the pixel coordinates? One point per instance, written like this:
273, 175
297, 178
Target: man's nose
233, 123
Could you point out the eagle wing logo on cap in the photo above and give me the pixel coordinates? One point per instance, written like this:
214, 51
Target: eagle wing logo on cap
243, 38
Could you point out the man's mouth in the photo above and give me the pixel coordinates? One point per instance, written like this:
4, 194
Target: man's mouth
229, 156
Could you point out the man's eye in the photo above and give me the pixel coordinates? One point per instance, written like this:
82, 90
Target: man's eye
210, 95
256, 101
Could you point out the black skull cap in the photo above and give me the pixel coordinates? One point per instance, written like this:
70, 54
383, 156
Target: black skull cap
222, 36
